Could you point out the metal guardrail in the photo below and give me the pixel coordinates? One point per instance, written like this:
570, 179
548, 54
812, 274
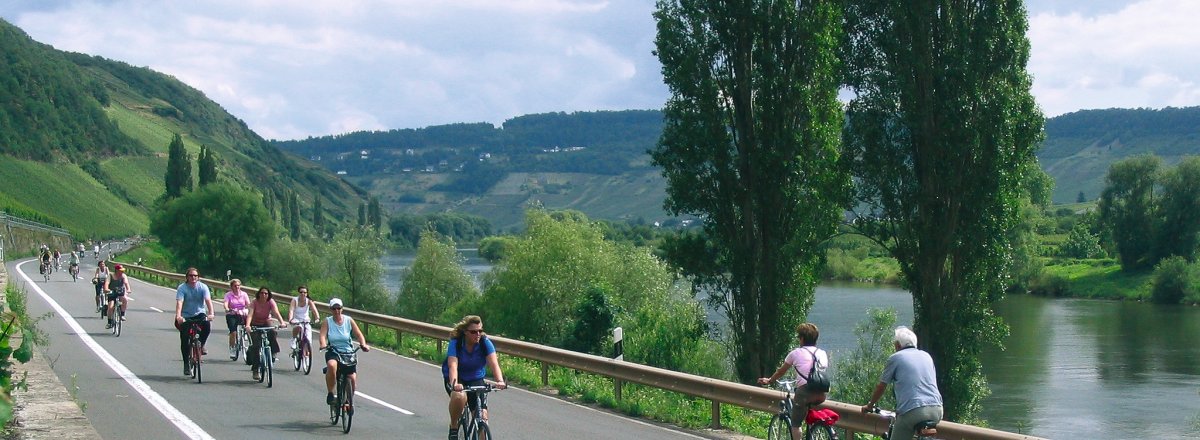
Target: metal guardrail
28, 224
717, 391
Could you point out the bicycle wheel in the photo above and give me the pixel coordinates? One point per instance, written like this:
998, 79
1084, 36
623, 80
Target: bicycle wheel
483, 432
346, 397
117, 324
245, 346
780, 428
335, 413
268, 368
819, 432
296, 355
305, 357
263, 354
237, 344
197, 352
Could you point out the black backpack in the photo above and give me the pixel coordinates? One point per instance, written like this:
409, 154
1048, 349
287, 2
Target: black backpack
817, 380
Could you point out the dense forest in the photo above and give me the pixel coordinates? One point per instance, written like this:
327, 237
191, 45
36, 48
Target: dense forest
1167, 132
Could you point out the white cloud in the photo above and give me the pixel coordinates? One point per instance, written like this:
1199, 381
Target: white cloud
1140, 55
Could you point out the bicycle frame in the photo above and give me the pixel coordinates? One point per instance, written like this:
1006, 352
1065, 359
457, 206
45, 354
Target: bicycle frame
196, 349
928, 428
302, 355
471, 422
343, 407
265, 356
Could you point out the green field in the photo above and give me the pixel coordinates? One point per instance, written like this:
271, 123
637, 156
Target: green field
66, 194
140, 177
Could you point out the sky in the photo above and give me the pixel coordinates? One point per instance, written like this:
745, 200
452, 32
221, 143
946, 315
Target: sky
293, 69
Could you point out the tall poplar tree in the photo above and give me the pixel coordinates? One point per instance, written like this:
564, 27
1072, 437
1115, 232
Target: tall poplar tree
294, 207
318, 216
941, 134
179, 169
208, 166
750, 145
374, 214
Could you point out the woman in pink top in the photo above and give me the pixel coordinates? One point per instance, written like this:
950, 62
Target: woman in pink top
800, 363
236, 303
262, 309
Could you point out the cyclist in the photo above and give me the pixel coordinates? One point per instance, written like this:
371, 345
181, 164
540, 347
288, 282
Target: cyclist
801, 360
45, 267
300, 309
117, 286
914, 380
57, 260
262, 309
100, 279
336, 336
193, 301
96, 251
74, 264
468, 356
79, 249
236, 303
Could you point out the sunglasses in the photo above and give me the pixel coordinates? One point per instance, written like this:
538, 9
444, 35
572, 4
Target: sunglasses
335, 308
475, 332
190, 274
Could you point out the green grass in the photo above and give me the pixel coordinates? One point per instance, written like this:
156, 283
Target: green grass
66, 194
1101, 278
140, 177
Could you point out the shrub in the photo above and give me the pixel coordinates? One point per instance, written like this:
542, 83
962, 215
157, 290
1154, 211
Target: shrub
1172, 281
1049, 285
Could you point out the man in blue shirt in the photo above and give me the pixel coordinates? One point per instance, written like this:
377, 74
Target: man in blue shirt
914, 380
193, 302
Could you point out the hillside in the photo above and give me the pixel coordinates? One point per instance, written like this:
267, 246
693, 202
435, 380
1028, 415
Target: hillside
1080, 146
496, 172
83, 142
594, 162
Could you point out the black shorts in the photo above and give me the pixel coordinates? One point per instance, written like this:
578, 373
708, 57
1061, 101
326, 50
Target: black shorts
114, 294
347, 369
469, 383
234, 321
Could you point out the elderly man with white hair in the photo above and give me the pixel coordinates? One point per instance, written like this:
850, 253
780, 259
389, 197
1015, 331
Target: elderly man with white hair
914, 380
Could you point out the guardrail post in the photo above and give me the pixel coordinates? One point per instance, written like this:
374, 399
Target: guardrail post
617, 388
716, 416
399, 335
545, 374
439, 345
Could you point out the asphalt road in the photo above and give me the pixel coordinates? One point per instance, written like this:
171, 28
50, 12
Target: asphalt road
133, 385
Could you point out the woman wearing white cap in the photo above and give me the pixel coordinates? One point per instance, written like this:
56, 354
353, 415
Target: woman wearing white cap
336, 336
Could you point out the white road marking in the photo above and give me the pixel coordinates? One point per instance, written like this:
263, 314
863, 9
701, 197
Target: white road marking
385, 404
181, 421
156, 309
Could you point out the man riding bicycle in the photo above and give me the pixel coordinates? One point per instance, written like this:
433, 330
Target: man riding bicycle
336, 336
193, 301
45, 267
914, 380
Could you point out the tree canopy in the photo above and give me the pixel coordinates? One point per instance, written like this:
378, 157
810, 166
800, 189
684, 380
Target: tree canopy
941, 136
750, 146
216, 228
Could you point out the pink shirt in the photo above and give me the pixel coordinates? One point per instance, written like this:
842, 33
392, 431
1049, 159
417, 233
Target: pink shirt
801, 359
237, 301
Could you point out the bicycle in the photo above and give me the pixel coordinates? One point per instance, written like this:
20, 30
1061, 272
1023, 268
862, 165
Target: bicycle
343, 403
302, 354
45, 268
195, 350
241, 342
471, 424
74, 272
816, 426
117, 317
923, 430
265, 357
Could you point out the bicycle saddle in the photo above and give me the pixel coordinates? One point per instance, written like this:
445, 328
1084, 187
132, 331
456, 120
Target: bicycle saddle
927, 428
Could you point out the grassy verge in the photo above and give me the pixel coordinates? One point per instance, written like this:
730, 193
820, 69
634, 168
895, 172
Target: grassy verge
1100, 278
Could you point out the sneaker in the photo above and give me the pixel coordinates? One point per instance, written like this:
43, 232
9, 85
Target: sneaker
187, 370
122, 317
202, 349
256, 375
108, 325
329, 399
293, 344
453, 434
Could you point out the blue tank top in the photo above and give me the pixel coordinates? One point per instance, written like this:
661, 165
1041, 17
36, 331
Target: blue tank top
338, 336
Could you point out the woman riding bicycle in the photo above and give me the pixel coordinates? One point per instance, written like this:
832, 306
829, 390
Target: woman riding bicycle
262, 309
117, 287
300, 309
236, 301
193, 302
468, 356
100, 278
801, 361
336, 335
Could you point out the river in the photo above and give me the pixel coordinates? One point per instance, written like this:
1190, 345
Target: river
1072, 369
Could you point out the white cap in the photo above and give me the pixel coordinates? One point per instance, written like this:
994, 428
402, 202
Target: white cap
335, 303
